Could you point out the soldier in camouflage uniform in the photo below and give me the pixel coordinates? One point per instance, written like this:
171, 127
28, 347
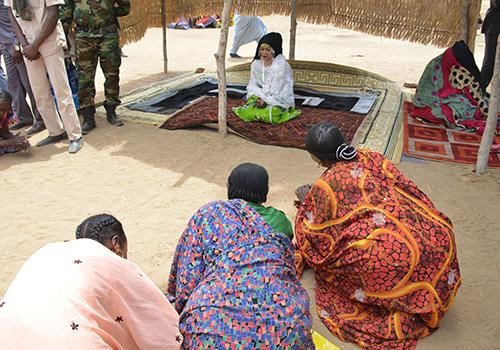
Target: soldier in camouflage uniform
96, 27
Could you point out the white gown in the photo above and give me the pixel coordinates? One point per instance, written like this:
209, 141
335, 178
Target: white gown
274, 85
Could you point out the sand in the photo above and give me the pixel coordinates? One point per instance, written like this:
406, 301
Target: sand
153, 180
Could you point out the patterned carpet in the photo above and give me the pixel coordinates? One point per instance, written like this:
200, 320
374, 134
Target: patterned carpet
289, 134
431, 141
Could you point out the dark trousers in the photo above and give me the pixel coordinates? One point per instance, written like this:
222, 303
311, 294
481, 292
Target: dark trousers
490, 48
19, 86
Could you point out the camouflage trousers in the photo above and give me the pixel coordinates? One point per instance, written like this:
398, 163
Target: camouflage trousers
105, 49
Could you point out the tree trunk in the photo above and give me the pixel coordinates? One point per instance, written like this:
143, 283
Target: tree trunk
293, 28
220, 57
491, 122
164, 34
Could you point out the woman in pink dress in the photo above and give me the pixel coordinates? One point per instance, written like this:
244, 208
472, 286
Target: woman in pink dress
83, 294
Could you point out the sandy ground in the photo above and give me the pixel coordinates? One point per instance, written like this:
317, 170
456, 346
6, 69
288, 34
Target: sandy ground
153, 180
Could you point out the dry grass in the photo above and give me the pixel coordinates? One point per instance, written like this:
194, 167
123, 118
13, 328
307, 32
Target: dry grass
423, 21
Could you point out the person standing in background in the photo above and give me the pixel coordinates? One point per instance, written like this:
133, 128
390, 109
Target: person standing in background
491, 30
97, 38
246, 30
18, 83
40, 34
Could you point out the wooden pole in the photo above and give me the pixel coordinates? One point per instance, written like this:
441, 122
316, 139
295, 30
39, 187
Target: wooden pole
465, 17
220, 57
293, 28
474, 12
491, 122
164, 34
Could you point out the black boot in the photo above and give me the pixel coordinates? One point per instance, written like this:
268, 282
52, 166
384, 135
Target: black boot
111, 115
88, 120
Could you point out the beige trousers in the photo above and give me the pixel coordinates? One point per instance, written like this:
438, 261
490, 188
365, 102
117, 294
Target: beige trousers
53, 65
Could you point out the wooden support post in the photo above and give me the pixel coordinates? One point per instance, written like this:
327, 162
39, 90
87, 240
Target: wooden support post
474, 13
465, 18
293, 28
164, 34
220, 57
491, 122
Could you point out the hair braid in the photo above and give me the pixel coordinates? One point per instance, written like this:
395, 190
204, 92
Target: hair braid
100, 228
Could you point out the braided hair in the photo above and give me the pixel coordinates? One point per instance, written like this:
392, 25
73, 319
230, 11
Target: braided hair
325, 141
100, 228
249, 182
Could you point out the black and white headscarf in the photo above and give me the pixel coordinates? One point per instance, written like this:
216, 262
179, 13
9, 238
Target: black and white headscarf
272, 39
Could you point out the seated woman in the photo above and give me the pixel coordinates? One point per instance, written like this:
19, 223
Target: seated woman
270, 89
384, 257
449, 91
9, 143
233, 279
84, 294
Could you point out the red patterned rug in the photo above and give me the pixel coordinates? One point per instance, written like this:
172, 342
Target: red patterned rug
432, 141
289, 134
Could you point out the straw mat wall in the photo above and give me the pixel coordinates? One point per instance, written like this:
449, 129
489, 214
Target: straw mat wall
144, 14
438, 22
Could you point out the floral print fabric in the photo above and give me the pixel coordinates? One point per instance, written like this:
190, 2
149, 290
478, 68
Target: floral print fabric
234, 283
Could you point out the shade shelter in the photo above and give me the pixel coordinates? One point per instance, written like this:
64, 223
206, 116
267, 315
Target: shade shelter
426, 22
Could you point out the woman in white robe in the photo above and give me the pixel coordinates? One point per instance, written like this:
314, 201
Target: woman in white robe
270, 89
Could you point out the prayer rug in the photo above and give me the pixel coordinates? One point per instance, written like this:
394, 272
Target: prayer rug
437, 142
171, 101
289, 134
382, 101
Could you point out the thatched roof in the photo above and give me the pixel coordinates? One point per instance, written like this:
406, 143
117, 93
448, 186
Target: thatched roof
144, 14
437, 22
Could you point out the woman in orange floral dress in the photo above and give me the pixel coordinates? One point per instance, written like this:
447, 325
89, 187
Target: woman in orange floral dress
384, 257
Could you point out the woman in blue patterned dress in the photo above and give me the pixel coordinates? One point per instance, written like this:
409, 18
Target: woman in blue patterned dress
233, 280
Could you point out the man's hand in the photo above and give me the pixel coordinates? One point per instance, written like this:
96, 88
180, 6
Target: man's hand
49, 24
31, 52
17, 56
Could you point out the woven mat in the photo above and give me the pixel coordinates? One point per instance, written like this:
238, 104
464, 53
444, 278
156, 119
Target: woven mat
288, 134
437, 142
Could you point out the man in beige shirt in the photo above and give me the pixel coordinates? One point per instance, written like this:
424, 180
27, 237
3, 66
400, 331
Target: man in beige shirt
40, 33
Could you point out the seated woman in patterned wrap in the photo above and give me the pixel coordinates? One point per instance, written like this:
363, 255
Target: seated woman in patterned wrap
384, 257
233, 278
270, 96
449, 91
